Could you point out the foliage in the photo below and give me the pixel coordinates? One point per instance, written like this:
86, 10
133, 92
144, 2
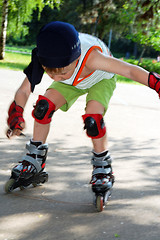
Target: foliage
21, 11
138, 20
145, 27
14, 13
67, 12
149, 64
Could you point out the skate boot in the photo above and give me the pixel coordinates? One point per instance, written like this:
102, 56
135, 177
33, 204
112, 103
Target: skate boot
30, 169
102, 179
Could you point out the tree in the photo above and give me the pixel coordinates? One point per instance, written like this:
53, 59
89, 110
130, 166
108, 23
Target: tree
3, 28
67, 12
136, 19
15, 13
144, 28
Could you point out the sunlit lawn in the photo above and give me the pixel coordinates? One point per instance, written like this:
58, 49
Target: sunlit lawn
15, 61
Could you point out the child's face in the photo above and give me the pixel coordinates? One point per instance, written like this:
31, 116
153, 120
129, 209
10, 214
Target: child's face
64, 74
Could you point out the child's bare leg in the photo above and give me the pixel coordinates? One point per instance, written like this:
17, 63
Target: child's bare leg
101, 144
34, 161
40, 132
102, 177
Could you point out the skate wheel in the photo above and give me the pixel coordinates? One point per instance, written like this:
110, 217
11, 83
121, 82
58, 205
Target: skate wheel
107, 197
9, 185
99, 203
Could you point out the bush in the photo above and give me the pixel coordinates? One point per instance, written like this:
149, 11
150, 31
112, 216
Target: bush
150, 65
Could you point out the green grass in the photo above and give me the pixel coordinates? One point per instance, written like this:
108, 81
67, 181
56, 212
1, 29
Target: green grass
122, 79
15, 61
19, 49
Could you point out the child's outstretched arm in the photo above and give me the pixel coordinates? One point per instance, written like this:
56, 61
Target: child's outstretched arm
15, 121
99, 61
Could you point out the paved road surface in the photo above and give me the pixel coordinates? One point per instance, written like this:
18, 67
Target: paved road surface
62, 208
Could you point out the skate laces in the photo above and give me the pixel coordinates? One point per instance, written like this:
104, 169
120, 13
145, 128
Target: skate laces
25, 167
28, 167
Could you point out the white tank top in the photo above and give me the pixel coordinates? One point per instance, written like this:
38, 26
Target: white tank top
88, 44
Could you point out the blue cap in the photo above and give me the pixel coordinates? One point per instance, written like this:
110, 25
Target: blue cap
58, 44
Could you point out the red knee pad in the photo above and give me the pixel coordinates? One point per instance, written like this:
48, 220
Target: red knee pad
94, 125
43, 110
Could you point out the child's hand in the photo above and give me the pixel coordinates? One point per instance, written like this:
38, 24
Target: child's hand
16, 132
15, 120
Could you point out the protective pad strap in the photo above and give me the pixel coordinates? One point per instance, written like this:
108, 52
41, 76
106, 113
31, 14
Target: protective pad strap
98, 162
33, 161
94, 125
43, 110
102, 161
40, 150
154, 81
101, 171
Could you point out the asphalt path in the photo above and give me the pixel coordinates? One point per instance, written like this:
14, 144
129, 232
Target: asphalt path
62, 208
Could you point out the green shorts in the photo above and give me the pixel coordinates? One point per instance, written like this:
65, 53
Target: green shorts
100, 92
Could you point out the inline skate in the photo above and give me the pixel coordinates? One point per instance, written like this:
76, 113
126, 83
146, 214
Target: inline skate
102, 179
30, 169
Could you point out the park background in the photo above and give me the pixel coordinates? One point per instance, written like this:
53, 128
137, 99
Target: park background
131, 29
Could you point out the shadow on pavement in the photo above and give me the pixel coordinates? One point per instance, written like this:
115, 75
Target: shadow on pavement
62, 208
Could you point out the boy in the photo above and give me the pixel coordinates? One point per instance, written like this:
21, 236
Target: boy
78, 63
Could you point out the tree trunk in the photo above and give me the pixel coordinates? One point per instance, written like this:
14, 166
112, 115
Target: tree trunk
3, 29
141, 56
110, 39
